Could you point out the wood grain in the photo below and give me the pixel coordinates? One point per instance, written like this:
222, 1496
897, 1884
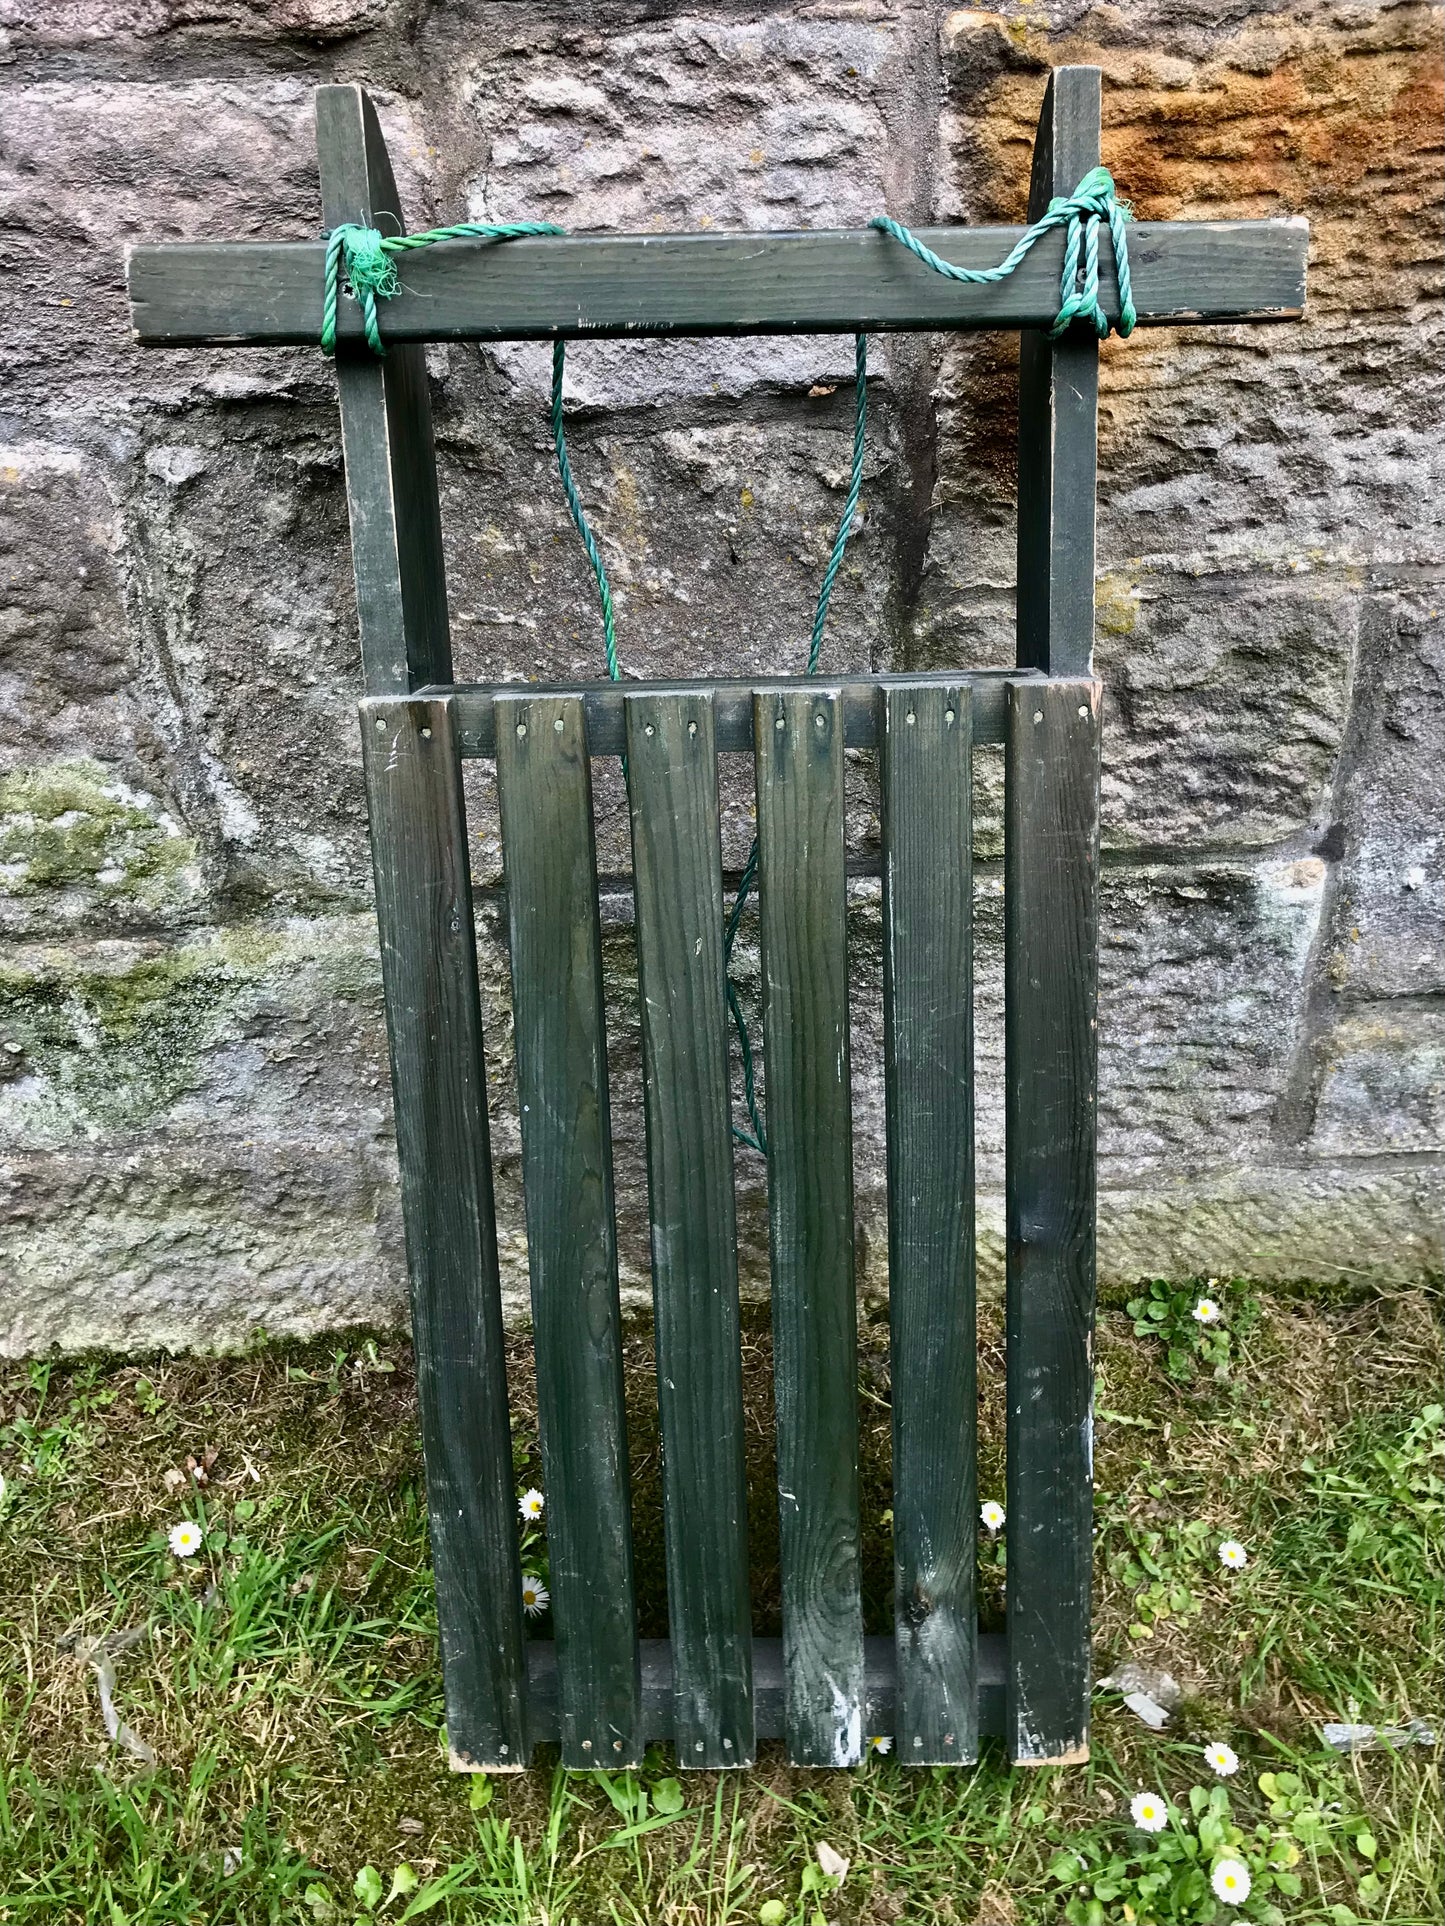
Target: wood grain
386, 435
1051, 830
230, 294
429, 972
928, 1063
545, 787
677, 862
733, 707
1058, 418
803, 914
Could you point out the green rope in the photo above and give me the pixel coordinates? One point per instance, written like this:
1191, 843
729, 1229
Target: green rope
579, 519
1079, 214
366, 260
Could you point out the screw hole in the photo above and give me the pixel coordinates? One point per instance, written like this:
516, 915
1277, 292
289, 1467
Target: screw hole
648, 730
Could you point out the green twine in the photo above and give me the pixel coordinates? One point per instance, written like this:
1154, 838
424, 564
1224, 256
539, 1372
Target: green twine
1079, 214
366, 259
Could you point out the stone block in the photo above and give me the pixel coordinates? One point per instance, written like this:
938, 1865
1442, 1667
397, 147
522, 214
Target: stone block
680, 123
1387, 928
88, 167
1382, 1081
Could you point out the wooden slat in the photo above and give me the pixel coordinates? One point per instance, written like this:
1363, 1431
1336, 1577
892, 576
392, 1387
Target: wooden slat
232, 293
804, 925
1058, 418
386, 432
928, 1057
1050, 943
879, 1689
733, 707
544, 783
429, 970
672, 782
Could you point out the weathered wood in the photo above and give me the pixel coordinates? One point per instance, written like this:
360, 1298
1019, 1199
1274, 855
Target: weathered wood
928, 1061
429, 972
804, 926
1051, 845
1058, 417
827, 282
544, 783
386, 432
677, 862
733, 707
879, 1693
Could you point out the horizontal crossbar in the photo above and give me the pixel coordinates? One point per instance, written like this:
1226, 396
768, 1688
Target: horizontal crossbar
880, 1686
473, 705
830, 282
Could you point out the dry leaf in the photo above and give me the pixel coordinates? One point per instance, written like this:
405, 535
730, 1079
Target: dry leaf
831, 1862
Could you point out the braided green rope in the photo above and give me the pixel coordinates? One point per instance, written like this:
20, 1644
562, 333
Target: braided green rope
1079, 214
365, 259
579, 519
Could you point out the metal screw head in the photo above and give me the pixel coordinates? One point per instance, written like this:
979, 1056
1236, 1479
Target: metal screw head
1038, 715
521, 729
558, 725
426, 735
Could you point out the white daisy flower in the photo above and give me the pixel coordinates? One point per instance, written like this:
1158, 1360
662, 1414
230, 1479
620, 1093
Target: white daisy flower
992, 1514
535, 1596
1231, 1882
1149, 1812
882, 1744
1206, 1311
531, 1504
1233, 1556
185, 1539
1221, 1758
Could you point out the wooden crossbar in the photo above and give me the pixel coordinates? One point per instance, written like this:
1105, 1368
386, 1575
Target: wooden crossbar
268, 294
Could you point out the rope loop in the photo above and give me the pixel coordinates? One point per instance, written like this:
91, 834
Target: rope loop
363, 259
1079, 214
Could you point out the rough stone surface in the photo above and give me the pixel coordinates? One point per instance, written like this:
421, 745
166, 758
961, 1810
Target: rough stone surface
195, 1130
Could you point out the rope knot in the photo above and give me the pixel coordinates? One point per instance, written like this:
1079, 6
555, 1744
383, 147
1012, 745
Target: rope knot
1079, 214
366, 263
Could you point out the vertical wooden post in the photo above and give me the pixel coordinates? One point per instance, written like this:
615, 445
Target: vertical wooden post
1051, 866
544, 784
1058, 418
927, 777
803, 919
386, 433
429, 972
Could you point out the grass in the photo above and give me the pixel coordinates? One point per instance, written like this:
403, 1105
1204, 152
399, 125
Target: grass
284, 1682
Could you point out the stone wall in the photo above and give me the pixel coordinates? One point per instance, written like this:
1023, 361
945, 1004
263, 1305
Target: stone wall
193, 1092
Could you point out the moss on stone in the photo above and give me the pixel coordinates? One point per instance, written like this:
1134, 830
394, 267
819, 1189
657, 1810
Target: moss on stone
71, 823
